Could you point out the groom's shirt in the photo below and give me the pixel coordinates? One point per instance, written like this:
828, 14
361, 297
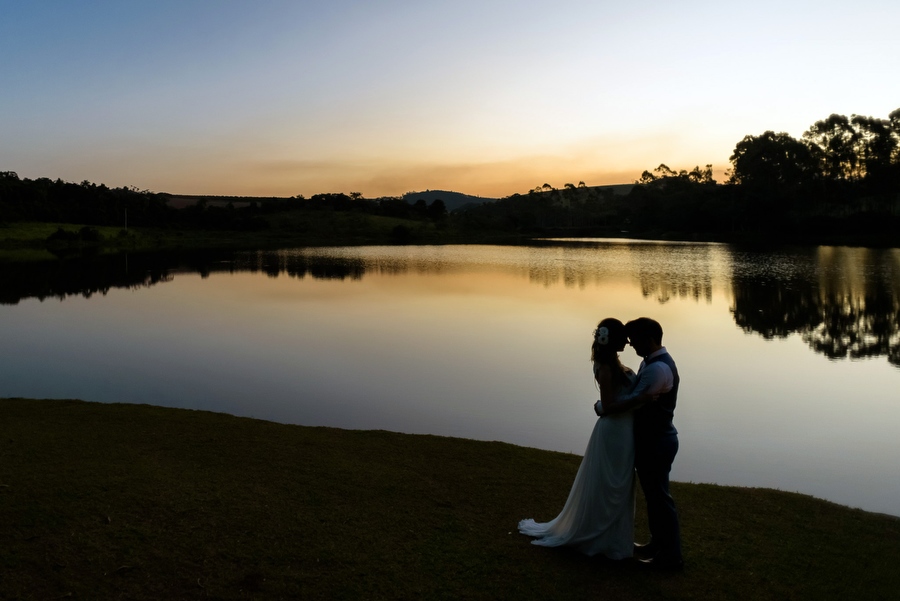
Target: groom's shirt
657, 376
653, 377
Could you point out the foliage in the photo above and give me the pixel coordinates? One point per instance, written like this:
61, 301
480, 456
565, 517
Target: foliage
85, 235
44, 200
773, 163
840, 183
664, 176
85, 203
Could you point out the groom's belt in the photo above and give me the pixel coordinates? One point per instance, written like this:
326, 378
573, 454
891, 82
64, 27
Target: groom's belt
656, 420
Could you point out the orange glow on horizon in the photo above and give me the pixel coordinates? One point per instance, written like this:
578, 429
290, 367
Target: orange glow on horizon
490, 180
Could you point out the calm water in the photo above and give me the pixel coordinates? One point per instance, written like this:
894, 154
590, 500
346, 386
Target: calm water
790, 360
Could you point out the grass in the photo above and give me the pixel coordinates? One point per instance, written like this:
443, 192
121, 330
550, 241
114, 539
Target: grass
27, 241
104, 501
22, 241
27, 232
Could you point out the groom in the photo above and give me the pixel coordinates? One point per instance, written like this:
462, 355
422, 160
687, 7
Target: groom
655, 442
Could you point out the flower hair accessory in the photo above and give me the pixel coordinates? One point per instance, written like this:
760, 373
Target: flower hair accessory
602, 335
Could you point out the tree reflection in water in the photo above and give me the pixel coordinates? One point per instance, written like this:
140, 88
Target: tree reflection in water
848, 306
86, 276
81, 276
843, 302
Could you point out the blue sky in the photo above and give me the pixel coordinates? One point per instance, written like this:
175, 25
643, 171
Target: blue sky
487, 97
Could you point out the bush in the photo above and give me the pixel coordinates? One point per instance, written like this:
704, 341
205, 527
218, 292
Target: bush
86, 235
89, 234
401, 234
63, 236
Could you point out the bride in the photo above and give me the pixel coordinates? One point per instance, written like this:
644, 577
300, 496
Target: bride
598, 516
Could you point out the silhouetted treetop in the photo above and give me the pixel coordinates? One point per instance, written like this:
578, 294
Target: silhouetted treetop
771, 161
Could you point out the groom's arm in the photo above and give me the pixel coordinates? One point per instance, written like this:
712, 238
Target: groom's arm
651, 383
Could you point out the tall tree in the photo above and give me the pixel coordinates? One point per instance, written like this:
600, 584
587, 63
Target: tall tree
894, 121
876, 145
836, 140
772, 162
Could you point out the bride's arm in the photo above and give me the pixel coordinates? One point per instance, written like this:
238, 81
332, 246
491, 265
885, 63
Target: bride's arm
603, 375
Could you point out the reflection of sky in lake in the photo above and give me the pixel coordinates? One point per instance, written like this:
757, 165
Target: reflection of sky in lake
488, 343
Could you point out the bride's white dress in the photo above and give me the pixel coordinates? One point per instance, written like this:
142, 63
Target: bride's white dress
598, 516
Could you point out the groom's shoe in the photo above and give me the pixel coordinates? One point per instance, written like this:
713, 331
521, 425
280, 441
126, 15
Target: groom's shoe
644, 551
662, 564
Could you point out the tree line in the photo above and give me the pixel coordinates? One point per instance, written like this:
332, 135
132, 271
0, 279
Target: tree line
87, 203
840, 179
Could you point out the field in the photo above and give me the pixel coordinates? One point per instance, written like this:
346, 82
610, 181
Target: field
104, 501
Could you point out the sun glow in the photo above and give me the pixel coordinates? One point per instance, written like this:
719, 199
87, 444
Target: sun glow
322, 97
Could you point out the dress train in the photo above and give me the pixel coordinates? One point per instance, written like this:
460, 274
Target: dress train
598, 516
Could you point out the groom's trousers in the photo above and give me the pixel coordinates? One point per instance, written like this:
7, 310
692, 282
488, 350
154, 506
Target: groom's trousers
653, 461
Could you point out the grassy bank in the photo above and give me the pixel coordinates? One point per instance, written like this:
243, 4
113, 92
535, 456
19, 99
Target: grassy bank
124, 501
29, 240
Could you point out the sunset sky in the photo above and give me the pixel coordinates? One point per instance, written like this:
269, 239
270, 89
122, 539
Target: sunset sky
486, 97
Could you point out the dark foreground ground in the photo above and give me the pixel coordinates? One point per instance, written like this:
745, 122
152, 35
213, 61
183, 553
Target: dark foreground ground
105, 501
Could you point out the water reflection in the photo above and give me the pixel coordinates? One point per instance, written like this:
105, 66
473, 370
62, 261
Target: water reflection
87, 276
842, 302
79, 276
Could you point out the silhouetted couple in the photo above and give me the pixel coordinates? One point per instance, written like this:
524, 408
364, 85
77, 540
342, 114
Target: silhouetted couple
634, 432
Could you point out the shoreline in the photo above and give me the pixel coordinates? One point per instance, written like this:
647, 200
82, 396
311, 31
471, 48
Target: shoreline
28, 241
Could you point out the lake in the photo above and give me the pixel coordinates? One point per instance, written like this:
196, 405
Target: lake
789, 358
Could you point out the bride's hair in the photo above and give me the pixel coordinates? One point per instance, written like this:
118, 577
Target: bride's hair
609, 337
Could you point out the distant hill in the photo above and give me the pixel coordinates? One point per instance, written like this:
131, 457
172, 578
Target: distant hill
617, 189
456, 200
452, 200
180, 201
